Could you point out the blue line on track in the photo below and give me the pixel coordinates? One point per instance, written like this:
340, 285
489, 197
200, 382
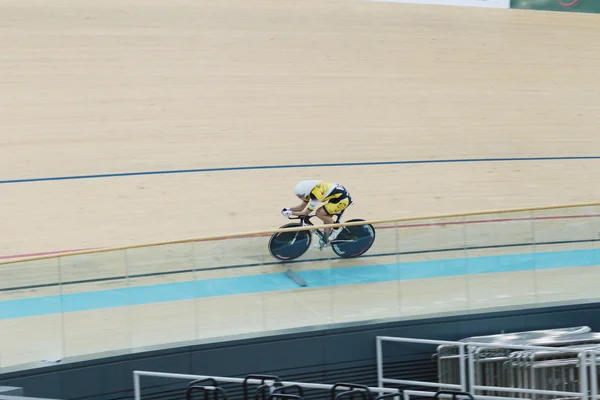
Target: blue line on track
328, 165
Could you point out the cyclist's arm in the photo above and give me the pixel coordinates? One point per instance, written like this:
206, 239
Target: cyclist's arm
299, 208
306, 207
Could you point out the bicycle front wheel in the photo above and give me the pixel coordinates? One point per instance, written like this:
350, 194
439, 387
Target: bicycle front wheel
354, 241
287, 246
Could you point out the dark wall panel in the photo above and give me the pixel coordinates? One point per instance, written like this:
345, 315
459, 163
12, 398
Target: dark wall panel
330, 355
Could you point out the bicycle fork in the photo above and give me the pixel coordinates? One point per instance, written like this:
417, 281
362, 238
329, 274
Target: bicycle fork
294, 239
304, 224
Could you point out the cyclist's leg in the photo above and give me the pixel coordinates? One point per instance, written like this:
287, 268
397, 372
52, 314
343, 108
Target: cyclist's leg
324, 215
325, 218
331, 209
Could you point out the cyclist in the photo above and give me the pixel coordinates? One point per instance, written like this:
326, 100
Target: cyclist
335, 199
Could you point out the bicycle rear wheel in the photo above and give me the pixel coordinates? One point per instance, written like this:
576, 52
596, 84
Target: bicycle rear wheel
354, 241
287, 246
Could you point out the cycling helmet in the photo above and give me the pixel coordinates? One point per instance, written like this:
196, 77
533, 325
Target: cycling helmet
304, 188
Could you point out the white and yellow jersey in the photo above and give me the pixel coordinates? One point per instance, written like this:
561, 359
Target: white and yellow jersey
326, 193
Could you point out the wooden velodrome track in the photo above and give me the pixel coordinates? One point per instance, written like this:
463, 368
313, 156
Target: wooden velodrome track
115, 88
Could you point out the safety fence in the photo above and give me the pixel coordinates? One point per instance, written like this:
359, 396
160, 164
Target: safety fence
270, 387
540, 365
175, 292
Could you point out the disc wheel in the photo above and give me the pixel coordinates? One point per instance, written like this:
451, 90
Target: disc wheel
354, 241
287, 246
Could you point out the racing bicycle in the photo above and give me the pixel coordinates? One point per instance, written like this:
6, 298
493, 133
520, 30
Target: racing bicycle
352, 241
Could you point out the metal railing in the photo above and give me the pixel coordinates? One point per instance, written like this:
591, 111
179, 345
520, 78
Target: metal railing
269, 387
269, 382
406, 394
575, 365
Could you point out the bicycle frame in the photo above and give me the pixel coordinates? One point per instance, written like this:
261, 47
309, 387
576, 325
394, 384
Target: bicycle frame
305, 221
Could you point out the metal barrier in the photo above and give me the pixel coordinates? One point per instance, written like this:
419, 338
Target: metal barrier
497, 369
593, 360
443, 393
269, 387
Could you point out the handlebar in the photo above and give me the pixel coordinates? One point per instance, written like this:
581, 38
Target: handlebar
310, 216
303, 217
